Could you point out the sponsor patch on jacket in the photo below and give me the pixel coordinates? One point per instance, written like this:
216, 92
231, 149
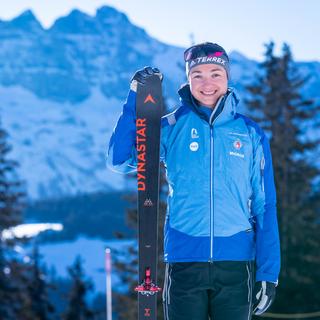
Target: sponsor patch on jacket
237, 144
236, 154
194, 146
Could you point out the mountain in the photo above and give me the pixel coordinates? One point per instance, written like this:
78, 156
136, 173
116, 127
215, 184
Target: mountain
26, 22
62, 90
78, 53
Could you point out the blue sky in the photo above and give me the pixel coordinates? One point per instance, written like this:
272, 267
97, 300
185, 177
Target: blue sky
236, 25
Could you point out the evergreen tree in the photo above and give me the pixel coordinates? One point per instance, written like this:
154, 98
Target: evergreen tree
37, 305
285, 115
78, 308
6, 289
12, 200
11, 194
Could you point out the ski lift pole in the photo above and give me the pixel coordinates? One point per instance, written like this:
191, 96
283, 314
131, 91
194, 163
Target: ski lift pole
108, 284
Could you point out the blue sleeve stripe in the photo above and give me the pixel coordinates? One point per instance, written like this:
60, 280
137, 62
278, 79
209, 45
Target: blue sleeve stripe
267, 234
124, 135
269, 187
268, 244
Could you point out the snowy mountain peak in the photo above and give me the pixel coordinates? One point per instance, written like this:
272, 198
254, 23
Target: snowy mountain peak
26, 21
76, 22
109, 15
238, 56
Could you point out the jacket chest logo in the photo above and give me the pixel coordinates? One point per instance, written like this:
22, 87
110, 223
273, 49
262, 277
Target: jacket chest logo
194, 146
237, 144
194, 133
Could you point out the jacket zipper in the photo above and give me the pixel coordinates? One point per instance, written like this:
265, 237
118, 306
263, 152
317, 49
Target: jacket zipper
211, 192
262, 164
211, 123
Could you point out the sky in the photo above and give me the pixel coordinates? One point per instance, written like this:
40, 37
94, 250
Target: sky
236, 25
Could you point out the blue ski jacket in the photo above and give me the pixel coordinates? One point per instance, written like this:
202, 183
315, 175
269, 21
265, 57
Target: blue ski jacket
222, 200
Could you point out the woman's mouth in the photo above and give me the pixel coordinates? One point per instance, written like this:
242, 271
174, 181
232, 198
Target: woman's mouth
208, 93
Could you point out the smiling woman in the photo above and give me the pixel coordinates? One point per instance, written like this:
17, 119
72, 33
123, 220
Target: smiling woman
221, 217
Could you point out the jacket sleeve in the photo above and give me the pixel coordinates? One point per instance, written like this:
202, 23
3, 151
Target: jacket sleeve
122, 153
121, 156
265, 213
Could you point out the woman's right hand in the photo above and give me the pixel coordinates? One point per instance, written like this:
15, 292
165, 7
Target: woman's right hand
141, 75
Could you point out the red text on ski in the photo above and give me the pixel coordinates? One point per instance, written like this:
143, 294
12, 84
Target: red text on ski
141, 149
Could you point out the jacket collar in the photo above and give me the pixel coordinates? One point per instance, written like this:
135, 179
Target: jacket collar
226, 107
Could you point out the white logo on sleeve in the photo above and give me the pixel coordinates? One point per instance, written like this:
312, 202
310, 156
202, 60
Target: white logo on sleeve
194, 146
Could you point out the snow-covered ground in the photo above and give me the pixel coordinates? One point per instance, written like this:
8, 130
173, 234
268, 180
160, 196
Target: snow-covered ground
61, 148
59, 256
29, 230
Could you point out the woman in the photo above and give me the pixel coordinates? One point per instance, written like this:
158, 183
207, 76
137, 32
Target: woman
221, 234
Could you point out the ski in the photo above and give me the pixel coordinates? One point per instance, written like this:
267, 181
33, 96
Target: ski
148, 124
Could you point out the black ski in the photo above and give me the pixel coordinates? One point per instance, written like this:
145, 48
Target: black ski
148, 124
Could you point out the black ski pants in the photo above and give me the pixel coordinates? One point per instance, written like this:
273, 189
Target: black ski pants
221, 290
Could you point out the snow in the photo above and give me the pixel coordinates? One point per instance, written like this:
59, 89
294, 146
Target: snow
29, 230
59, 256
64, 144
168, 59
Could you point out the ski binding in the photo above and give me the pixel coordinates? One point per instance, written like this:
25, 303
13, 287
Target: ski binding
147, 287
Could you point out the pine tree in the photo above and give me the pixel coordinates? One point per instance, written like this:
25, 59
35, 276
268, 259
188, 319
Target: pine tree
11, 193
12, 200
78, 308
6, 289
37, 305
280, 108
